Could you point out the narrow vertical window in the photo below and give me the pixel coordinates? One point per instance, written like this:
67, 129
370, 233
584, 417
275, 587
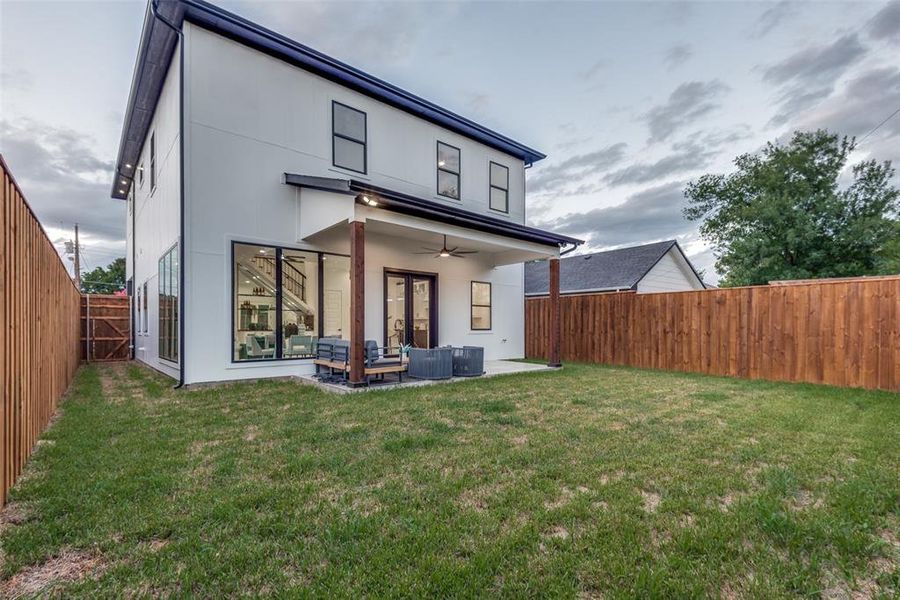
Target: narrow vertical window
152, 161
481, 306
168, 305
348, 129
141, 175
499, 188
448, 159
145, 316
139, 313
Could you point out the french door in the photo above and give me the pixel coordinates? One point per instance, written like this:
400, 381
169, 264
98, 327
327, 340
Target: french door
410, 309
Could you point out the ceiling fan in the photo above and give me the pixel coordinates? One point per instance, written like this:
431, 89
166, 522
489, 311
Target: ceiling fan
445, 252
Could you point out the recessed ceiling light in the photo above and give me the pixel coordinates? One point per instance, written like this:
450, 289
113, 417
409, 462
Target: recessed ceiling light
127, 166
121, 191
262, 251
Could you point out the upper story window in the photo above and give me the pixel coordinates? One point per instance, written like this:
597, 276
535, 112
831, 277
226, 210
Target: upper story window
348, 128
447, 170
153, 161
499, 188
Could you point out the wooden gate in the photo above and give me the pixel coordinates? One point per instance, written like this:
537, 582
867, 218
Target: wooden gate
105, 327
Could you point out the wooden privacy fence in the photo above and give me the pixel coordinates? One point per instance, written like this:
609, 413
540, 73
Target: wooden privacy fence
39, 307
841, 332
105, 327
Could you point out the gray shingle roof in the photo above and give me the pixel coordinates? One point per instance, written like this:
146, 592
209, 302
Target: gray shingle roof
614, 269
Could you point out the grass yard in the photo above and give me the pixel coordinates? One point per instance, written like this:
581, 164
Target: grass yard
590, 482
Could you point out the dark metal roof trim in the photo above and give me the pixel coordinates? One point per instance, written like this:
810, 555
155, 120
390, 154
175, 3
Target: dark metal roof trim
155, 52
158, 44
327, 184
427, 209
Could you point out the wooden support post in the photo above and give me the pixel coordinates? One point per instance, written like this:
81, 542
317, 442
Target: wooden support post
357, 302
553, 355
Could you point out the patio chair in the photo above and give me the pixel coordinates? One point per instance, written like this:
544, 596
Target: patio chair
378, 358
301, 345
436, 363
468, 361
256, 349
333, 354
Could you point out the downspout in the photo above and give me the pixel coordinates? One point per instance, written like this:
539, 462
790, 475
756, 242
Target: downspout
133, 203
564, 252
181, 252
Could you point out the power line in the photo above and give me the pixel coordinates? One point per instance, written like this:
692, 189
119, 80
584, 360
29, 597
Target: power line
892, 115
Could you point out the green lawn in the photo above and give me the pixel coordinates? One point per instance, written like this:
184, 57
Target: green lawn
590, 482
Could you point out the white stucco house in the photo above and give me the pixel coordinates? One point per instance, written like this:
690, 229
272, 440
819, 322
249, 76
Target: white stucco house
645, 269
276, 195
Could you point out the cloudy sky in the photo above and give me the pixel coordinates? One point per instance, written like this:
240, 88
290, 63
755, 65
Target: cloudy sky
629, 100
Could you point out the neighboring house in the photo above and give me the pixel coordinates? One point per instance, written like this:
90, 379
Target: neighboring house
276, 195
659, 267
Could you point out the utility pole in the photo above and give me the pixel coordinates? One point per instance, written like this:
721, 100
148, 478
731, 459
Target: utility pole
77, 260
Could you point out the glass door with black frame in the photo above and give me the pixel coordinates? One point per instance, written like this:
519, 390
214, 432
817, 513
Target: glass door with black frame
410, 310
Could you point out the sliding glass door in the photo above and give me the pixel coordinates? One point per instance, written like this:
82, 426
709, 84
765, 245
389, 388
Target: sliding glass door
410, 309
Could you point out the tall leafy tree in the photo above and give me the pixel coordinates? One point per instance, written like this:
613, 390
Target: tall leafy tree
792, 211
104, 281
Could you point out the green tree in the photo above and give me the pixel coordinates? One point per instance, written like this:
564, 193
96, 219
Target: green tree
104, 281
783, 213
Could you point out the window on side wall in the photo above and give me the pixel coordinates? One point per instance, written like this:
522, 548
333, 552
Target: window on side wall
138, 322
481, 306
141, 175
348, 129
499, 188
145, 317
448, 178
152, 161
168, 305
284, 299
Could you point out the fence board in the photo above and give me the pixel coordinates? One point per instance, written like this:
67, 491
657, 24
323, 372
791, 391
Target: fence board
38, 302
109, 327
841, 332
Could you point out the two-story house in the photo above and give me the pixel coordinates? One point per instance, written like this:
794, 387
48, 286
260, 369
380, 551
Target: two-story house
276, 195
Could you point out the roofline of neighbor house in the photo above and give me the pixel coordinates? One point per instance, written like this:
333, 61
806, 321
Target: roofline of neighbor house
158, 44
419, 207
584, 291
683, 255
634, 284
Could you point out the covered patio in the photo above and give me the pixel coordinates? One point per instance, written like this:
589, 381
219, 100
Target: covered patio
390, 235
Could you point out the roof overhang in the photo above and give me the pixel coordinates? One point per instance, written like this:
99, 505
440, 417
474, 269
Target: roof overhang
385, 199
158, 43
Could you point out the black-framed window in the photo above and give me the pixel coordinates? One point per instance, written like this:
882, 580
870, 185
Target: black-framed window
284, 300
168, 305
152, 161
145, 319
448, 170
141, 175
499, 189
481, 306
138, 310
348, 138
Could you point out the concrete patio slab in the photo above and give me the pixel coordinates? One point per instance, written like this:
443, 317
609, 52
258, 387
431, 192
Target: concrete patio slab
492, 368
